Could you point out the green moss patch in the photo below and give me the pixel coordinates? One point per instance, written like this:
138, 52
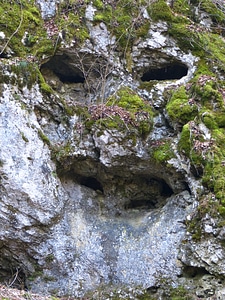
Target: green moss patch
21, 73
210, 7
159, 10
70, 21
21, 20
123, 19
163, 151
181, 108
140, 112
206, 157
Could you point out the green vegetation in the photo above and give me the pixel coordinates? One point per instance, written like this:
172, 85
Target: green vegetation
183, 8
163, 152
179, 108
123, 19
21, 20
70, 21
45, 88
199, 104
184, 27
180, 293
24, 137
212, 9
125, 110
20, 72
136, 112
44, 138
160, 10
207, 158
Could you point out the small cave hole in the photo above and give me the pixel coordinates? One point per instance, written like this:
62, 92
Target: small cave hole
191, 272
141, 204
14, 277
152, 289
170, 72
150, 193
64, 68
166, 190
91, 183
70, 78
4, 55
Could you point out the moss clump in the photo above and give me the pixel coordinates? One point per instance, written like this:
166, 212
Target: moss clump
193, 144
208, 93
207, 158
129, 100
26, 72
70, 21
140, 112
187, 31
45, 88
44, 138
23, 26
179, 108
98, 4
209, 120
184, 144
125, 111
191, 37
214, 171
180, 293
21, 73
159, 10
186, 38
123, 19
163, 152
182, 7
216, 14
213, 44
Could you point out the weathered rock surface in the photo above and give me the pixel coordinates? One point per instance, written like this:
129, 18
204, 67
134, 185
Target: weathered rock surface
97, 197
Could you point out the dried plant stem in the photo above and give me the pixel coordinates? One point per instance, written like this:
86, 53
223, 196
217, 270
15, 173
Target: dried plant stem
17, 29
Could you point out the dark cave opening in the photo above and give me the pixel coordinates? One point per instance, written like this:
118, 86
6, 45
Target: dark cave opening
11, 271
91, 183
174, 71
153, 197
191, 272
141, 204
70, 78
64, 69
166, 190
3, 55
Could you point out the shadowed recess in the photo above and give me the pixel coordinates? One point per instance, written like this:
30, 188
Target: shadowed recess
191, 272
174, 71
70, 78
64, 69
91, 183
155, 194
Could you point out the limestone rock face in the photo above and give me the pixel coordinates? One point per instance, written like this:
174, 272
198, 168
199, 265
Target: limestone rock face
103, 157
111, 217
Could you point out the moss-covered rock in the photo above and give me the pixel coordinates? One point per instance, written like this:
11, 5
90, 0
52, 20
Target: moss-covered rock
24, 28
70, 21
180, 108
163, 151
123, 19
140, 112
